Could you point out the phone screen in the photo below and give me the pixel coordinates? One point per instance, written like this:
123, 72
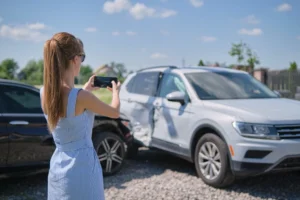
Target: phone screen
104, 82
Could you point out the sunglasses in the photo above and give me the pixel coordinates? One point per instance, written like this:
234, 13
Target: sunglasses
82, 57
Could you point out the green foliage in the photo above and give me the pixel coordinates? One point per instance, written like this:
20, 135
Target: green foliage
252, 58
85, 73
244, 53
32, 73
201, 63
293, 66
237, 50
119, 68
8, 69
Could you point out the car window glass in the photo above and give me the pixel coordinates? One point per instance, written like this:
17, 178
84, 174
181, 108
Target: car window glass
171, 83
129, 85
145, 83
1, 105
228, 85
20, 100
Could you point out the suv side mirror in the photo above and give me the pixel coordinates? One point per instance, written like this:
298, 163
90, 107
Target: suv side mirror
176, 97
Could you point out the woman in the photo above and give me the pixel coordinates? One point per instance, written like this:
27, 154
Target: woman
75, 171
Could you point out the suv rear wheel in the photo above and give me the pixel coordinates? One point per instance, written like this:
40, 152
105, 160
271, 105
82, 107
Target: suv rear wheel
211, 161
110, 149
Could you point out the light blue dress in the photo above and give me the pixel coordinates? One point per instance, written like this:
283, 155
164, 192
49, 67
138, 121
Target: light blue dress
75, 172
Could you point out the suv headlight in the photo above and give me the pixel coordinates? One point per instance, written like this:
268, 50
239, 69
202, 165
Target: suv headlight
256, 130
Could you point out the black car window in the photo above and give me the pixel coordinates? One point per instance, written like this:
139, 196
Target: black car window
171, 83
20, 100
145, 83
1, 105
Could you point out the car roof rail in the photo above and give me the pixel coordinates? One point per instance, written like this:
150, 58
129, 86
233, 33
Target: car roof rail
158, 67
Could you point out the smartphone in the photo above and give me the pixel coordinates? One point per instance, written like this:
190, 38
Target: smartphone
104, 82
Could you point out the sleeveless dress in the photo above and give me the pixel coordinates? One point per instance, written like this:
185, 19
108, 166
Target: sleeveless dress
75, 172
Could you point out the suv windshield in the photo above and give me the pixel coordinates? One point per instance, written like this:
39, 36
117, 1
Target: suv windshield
228, 85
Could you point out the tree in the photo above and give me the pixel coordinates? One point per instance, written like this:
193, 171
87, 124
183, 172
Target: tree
242, 51
217, 64
85, 73
8, 69
238, 51
293, 66
201, 63
120, 69
32, 73
252, 59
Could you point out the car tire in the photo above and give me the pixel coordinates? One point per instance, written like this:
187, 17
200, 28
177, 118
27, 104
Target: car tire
110, 149
212, 165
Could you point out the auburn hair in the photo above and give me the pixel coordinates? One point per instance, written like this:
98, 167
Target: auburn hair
58, 51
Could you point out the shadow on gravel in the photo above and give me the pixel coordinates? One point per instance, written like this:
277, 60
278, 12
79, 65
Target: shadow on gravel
148, 163
272, 186
154, 163
21, 186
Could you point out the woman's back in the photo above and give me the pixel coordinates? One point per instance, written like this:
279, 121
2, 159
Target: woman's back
73, 128
75, 170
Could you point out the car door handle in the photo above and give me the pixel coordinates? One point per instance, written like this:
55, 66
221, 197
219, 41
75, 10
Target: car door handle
15, 123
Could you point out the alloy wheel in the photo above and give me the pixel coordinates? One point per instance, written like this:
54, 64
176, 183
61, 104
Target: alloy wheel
110, 154
209, 160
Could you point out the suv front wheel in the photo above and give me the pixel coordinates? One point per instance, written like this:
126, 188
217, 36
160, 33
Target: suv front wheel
211, 161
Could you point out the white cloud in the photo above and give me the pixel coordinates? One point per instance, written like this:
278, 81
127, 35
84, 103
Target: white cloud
251, 19
116, 6
116, 33
140, 11
284, 7
37, 26
29, 32
252, 32
168, 13
91, 29
164, 32
208, 38
196, 3
131, 33
158, 56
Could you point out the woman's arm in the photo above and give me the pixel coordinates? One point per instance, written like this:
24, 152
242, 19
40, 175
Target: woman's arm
89, 101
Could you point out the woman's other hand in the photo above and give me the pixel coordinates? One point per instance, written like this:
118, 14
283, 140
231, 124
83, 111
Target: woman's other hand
115, 87
89, 85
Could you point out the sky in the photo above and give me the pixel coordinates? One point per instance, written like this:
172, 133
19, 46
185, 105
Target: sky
142, 33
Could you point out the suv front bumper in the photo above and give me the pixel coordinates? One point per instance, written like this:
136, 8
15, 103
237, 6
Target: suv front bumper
258, 156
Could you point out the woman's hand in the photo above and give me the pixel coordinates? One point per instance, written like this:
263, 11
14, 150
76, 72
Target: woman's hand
115, 87
89, 86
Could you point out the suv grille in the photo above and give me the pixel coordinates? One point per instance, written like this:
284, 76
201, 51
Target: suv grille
288, 131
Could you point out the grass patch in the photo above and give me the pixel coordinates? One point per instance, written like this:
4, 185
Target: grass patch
103, 94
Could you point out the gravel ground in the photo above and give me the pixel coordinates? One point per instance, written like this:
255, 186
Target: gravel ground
156, 175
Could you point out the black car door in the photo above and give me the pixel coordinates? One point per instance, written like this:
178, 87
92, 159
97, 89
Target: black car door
29, 139
3, 138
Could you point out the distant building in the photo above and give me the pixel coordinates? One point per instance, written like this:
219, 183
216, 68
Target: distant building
105, 70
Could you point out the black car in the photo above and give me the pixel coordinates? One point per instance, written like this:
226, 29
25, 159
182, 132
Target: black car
25, 142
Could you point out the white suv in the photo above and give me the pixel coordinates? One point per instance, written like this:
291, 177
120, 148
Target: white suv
225, 121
